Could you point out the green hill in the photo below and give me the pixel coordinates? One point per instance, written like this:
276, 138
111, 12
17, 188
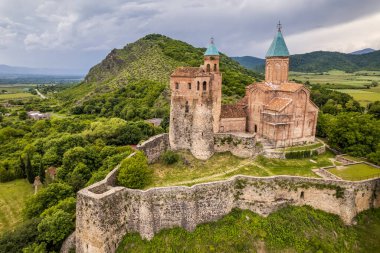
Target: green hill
132, 82
321, 61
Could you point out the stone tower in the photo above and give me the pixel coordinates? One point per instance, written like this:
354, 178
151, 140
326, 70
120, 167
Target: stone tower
195, 105
277, 60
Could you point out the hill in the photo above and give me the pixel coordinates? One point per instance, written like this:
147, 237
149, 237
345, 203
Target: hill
138, 74
364, 51
322, 61
251, 62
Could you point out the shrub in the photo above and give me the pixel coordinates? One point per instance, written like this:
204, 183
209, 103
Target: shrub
134, 172
169, 157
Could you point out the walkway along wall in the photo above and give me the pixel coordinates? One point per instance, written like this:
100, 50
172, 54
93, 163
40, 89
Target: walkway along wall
105, 213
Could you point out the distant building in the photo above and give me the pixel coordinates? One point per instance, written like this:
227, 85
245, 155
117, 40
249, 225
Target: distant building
155, 121
276, 110
36, 115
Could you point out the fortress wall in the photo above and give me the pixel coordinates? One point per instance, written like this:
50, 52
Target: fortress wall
155, 146
104, 218
239, 144
233, 124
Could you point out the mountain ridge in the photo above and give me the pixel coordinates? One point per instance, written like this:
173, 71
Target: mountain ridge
321, 61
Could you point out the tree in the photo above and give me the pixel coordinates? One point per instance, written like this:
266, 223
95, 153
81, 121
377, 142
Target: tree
23, 115
29, 169
47, 197
56, 227
134, 172
22, 166
42, 171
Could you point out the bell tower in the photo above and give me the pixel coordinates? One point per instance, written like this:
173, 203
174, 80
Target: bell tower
211, 58
277, 60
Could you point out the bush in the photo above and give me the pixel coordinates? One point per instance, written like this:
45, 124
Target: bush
169, 157
47, 197
134, 172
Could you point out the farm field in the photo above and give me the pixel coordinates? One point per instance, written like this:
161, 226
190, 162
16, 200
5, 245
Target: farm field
12, 199
350, 83
15, 91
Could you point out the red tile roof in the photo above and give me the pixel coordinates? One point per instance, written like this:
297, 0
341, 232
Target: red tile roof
189, 72
278, 104
290, 87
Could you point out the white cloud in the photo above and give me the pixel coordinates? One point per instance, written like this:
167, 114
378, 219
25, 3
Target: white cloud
83, 31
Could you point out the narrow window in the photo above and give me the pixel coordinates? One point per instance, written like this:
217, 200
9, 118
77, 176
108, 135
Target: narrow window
208, 67
255, 128
302, 195
198, 84
189, 85
204, 85
214, 67
187, 106
176, 86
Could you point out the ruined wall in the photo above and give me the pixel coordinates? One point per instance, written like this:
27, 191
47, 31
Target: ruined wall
104, 217
233, 125
239, 144
154, 147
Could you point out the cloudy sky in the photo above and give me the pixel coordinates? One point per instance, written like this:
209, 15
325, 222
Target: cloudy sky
79, 33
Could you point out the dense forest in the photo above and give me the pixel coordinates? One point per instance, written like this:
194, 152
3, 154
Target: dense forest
320, 61
94, 124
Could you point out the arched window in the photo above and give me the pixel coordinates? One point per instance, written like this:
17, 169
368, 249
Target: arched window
176, 86
189, 85
214, 67
208, 67
198, 84
204, 85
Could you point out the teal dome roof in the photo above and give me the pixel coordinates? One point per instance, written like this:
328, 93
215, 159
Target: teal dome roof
211, 49
278, 46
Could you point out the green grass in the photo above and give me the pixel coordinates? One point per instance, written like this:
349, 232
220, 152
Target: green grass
291, 229
15, 96
225, 165
363, 96
350, 83
304, 147
340, 79
356, 172
190, 168
12, 199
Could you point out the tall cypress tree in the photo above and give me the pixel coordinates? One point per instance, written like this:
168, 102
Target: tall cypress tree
42, 171
29, 170
22, 167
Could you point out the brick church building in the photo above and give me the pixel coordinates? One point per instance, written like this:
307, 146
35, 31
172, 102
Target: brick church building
276, 110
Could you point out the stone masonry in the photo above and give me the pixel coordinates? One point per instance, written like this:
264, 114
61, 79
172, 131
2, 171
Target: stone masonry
105, 212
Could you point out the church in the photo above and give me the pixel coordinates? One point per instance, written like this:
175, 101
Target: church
275, 111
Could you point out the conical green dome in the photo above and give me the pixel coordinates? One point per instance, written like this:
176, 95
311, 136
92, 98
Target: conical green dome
211, 49
278, 46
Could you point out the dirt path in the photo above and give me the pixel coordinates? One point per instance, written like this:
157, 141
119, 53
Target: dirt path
40, 94
209, 178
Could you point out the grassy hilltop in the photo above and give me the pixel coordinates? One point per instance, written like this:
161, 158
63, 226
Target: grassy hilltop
145, 67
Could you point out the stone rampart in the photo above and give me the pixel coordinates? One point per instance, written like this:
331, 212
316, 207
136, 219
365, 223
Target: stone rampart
154, 147
105, 213
280, 154
239, 144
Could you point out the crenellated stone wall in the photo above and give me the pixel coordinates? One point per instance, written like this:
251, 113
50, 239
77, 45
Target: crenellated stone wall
155, 146
105, 213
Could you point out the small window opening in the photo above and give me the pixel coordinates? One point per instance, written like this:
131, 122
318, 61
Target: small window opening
204, 85
176, 86
255, 128
214, 67
208, 68
302, 196
187, 106
189, 85
198, 84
